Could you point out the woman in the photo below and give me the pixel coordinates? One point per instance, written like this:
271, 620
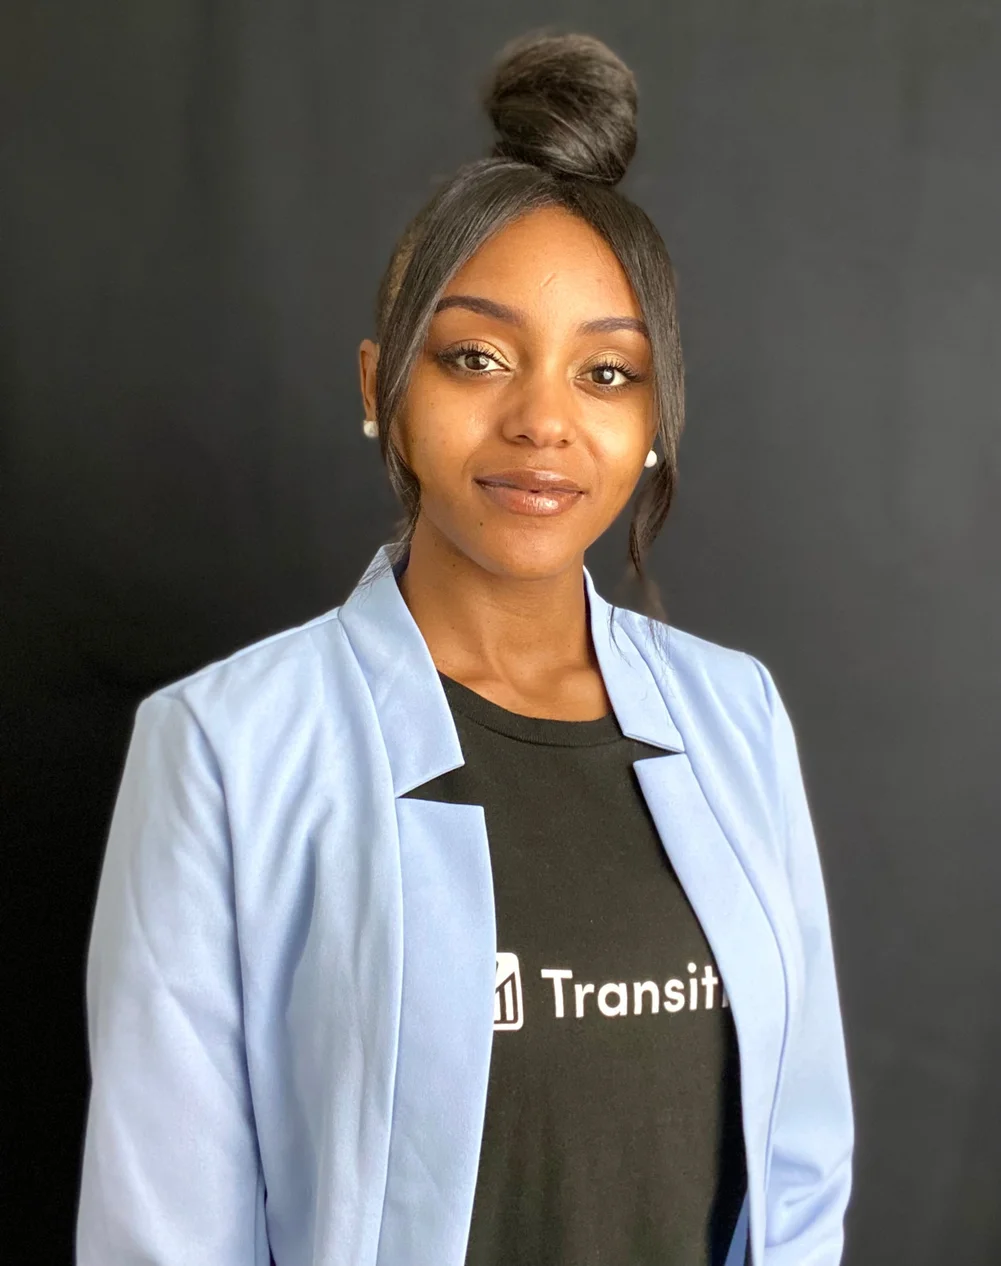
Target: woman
477, 920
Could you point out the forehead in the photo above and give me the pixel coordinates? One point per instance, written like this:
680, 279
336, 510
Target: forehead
551, 264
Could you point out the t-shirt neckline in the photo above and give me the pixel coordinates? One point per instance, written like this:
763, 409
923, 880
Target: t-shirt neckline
541, 730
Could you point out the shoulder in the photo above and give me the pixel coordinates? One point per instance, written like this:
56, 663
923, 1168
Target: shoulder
703, 679
261, 685
729, 708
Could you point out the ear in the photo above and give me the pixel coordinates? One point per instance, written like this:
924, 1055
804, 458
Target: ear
368, 360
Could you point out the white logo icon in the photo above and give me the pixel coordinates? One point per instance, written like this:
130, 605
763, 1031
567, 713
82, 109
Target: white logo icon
508, 1009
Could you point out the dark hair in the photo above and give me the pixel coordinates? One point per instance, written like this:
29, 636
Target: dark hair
564, 109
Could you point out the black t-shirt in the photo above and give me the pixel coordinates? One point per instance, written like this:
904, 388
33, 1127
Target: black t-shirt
612, 1132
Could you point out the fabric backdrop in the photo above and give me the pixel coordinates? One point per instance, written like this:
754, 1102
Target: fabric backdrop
197, 202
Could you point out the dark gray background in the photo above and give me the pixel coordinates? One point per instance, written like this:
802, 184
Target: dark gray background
198, 200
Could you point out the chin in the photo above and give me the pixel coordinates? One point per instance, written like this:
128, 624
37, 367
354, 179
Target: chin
511, 547
539, 557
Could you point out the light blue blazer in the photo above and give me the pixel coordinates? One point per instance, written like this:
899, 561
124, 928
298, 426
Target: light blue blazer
290, 981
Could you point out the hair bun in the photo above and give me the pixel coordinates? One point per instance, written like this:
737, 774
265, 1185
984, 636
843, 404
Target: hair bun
565, 103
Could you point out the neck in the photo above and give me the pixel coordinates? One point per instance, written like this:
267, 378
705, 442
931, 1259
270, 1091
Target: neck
524, 643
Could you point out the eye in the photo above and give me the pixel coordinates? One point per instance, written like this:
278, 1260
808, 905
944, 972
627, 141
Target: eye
611, 374
470, 359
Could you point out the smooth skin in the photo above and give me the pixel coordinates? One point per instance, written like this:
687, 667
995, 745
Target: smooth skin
537, 359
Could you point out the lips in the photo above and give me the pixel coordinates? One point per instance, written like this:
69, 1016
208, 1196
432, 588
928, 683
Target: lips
531, 492
529, 480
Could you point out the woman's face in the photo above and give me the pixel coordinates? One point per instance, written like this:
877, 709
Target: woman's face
531, 408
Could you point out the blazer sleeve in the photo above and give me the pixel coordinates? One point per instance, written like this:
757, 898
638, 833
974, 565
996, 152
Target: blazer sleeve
171, 1173
813, 1132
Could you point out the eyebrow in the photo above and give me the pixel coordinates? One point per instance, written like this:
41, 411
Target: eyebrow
608, 325
501, 312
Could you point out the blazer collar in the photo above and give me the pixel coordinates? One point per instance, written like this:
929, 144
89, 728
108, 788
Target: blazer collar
413, 713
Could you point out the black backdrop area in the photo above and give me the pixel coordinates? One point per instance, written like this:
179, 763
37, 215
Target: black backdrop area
197, 201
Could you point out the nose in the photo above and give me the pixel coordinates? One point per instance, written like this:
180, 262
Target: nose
542, 413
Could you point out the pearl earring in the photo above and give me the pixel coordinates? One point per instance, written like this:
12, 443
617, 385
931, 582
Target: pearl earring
651, 459
371, 428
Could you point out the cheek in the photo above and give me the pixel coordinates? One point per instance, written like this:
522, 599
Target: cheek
619, 455
438, 433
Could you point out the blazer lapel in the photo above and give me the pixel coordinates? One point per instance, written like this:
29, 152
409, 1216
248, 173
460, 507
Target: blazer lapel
714, 854
446, 1032
449, 941
738, 929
